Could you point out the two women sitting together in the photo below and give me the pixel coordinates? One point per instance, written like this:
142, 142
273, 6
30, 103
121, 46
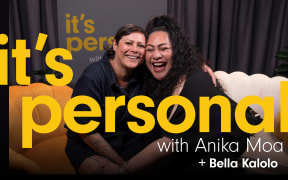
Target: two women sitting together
158, 62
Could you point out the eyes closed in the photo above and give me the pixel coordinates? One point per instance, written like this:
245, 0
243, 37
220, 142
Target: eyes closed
161, 47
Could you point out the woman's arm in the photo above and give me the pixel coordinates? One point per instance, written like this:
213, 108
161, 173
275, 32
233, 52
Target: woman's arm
98, 165
150, 155
102, 148
207, 69
93, 88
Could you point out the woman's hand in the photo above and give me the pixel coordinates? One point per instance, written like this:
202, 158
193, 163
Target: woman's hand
207, 69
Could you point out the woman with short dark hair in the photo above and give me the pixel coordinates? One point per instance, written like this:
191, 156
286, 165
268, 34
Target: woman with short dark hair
114, 75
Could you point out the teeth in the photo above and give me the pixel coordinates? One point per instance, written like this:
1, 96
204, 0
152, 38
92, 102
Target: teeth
132, 57
158, 64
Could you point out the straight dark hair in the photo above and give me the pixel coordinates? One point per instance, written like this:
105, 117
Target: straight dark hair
123, 31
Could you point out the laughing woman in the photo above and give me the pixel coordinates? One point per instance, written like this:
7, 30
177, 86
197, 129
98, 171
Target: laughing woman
174, 68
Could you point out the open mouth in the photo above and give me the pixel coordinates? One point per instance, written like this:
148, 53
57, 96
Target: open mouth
159, 66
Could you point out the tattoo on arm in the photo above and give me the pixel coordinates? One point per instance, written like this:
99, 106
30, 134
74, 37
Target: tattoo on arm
99, 162
102, 148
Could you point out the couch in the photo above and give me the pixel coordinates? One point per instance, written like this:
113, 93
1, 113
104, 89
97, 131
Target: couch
48, 153
238, 85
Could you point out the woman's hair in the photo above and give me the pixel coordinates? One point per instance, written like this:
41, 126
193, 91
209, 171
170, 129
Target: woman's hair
123, 31
185, 59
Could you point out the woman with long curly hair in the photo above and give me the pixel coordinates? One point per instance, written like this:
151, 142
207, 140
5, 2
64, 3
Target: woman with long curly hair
175, 68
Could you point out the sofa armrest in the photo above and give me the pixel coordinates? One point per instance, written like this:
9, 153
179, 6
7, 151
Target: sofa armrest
19, 163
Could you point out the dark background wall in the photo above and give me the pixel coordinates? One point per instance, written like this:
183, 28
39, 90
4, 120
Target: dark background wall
233, 35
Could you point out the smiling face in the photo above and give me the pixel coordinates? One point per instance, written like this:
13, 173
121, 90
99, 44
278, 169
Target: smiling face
130, 50
159, 54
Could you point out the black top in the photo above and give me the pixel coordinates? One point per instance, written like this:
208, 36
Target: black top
98, 81
197, 85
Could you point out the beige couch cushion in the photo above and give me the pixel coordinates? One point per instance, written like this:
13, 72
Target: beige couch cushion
238, 85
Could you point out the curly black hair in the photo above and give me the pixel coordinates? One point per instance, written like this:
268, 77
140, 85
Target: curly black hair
185, 59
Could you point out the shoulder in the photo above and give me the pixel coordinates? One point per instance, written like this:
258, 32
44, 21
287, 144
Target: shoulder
97, 70
199, 78
93, 74
94, 69
198, 84
90, 83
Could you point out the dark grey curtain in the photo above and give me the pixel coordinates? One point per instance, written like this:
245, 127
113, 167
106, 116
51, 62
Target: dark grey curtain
235, 35
28, 18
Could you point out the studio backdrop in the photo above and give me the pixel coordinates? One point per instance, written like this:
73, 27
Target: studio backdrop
84, 27
233, 35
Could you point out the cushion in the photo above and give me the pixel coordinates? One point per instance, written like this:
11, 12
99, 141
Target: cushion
19, 163
46, 153
41, 113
